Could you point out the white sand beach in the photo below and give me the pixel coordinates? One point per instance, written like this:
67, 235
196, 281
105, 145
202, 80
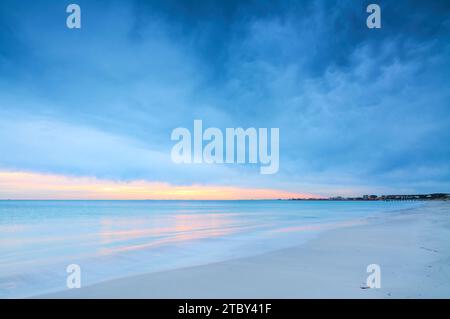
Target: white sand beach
412, 248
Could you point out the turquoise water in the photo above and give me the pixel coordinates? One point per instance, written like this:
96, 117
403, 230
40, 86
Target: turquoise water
113, 239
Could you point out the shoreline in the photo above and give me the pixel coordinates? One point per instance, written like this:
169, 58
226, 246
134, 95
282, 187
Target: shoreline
411, 247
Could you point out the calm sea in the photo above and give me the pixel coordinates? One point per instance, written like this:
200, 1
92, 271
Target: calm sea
113, 239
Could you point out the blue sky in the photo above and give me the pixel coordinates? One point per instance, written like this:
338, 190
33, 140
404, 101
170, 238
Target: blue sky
359, 110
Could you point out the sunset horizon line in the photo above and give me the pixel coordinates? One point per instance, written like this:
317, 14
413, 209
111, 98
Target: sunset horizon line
32, 186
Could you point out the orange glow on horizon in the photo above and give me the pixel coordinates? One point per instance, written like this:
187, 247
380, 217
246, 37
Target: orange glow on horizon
26, 185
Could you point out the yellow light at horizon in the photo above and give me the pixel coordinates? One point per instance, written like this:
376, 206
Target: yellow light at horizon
29, 185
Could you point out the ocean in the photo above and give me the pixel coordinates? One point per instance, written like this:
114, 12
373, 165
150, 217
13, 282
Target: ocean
114, 239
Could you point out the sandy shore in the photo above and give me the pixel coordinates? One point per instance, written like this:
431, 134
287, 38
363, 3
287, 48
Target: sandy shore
412, 248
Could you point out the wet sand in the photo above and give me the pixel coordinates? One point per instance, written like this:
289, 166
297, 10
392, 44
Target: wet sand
412, 248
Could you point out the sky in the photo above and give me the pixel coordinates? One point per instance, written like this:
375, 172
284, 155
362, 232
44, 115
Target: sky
88, 113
